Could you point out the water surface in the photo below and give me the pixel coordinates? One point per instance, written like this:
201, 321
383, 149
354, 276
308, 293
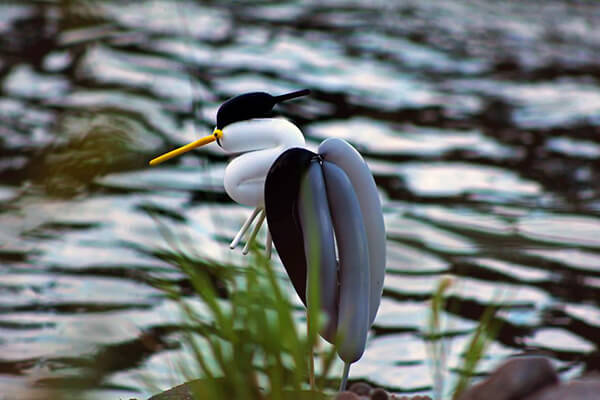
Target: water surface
481, 123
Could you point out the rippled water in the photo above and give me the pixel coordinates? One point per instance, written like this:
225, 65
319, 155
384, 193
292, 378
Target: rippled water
481, 123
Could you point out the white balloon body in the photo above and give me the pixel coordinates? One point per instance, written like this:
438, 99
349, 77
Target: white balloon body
262, 140
361, 276
343, 155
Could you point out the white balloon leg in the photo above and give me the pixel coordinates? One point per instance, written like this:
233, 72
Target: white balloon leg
244, 228
261, 219
269, 246
345, 376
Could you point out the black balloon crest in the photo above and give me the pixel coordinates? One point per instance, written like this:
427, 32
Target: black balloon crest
252, 105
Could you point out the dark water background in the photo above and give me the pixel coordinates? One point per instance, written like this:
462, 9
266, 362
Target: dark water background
480, 121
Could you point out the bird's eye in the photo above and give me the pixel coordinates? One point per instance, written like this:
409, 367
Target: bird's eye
218, 134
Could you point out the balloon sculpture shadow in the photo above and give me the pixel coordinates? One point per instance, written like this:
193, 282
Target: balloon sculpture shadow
322, 209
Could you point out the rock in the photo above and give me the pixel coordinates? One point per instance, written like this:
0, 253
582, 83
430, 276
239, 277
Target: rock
197, 389
514, 380
524, 378
347, 396
181, 392
582, 389
361, 388
379, 394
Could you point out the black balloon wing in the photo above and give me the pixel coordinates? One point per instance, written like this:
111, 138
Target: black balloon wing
282, 187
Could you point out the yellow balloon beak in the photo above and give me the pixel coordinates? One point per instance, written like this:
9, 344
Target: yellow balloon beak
217, 134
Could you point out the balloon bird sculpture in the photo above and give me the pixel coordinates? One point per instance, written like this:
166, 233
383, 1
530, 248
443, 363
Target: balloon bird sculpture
324, 204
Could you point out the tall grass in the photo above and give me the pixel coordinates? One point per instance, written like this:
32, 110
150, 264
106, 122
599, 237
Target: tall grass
435, 343
484, 335
246, 342
438, 349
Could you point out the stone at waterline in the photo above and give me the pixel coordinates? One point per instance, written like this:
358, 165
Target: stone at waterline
185, 392
347, 396
586, 388
522, 378
181, 392
515, 379
361, 388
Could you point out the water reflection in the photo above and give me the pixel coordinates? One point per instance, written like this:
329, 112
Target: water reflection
481, 128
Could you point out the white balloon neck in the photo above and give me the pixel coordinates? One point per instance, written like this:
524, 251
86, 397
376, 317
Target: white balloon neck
262, 140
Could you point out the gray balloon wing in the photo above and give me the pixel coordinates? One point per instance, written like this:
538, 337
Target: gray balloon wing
342, 154
354, 275
319, 247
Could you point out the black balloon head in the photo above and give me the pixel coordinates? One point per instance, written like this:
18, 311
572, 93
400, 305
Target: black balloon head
251, 105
